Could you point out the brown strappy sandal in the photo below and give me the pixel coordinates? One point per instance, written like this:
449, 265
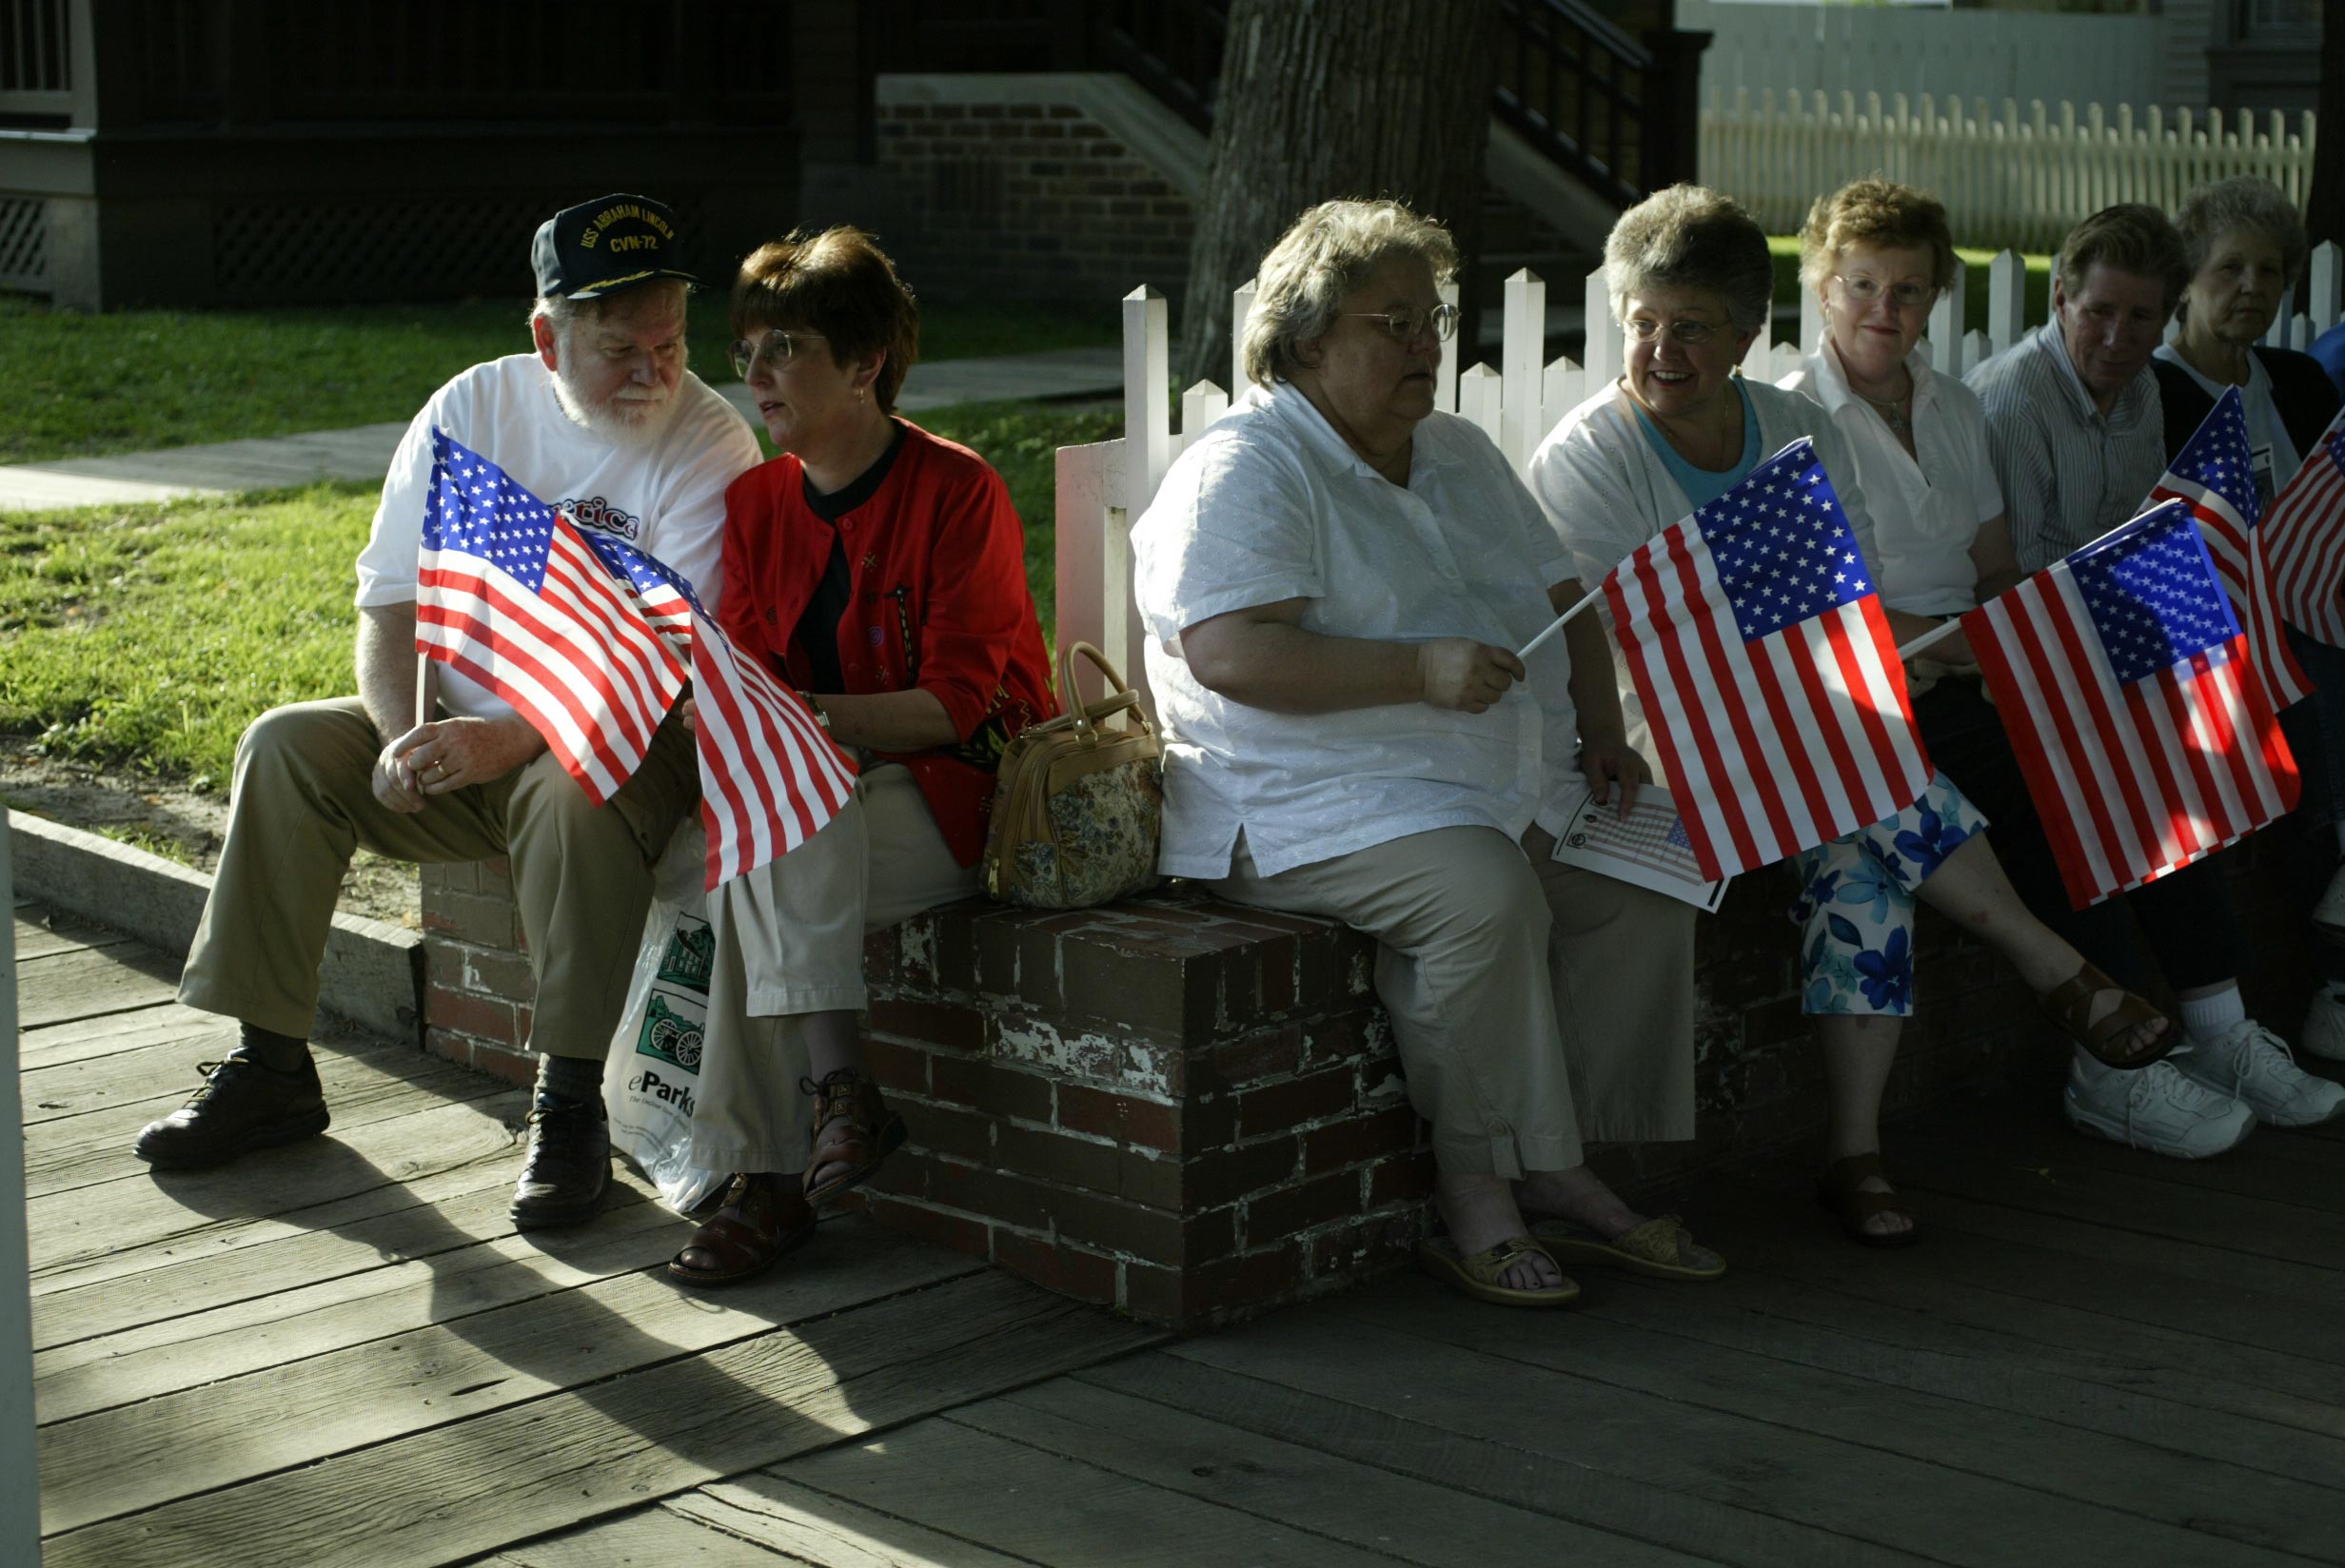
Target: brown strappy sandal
2070, 1004
762, 1218
1838, 1191
853, 1128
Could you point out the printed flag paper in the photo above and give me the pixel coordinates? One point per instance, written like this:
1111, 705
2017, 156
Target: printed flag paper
1756, 642
2304, 535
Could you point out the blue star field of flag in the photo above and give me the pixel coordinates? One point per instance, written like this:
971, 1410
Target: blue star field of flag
2217, 456
475, 506
629, 564
1782, 545
2334, 448
2152, 592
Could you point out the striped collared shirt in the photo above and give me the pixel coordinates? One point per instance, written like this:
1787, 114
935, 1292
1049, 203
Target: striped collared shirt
2069, 473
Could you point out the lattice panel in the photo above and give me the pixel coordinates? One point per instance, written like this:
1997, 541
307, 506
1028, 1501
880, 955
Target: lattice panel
24, 243
279, 252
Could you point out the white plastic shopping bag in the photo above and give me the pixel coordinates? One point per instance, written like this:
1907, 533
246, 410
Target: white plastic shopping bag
650, 1080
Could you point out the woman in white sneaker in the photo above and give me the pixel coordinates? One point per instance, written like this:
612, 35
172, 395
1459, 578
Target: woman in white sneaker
2247, 247
1876, 254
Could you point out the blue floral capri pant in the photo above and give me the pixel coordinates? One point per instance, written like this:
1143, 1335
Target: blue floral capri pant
1856, 903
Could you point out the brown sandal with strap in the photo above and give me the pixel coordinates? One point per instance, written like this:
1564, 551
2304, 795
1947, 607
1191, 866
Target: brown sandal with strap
2070, 1004
762, 1218
1840, 1189
853, 1128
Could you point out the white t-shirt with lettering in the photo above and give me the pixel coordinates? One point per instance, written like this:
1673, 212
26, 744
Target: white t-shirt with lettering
664, 496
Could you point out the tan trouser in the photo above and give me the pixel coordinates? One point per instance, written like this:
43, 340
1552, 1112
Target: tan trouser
304, 799
1519, 990
790, 942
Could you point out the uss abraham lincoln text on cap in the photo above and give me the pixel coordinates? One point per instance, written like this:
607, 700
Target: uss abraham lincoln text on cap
601, 246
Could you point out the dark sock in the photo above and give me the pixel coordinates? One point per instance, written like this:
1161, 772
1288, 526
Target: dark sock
277, 1052
567, 1080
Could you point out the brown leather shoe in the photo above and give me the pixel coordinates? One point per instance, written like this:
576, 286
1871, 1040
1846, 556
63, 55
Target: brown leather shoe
243, 1106
762, 1216
853, 1128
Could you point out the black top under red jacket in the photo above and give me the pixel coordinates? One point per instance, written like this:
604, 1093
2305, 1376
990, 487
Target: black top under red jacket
939, 602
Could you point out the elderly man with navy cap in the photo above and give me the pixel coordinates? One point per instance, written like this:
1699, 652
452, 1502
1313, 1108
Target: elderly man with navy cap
603, 421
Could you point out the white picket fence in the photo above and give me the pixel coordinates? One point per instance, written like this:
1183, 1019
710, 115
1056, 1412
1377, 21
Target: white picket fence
1103, 487
2023, 176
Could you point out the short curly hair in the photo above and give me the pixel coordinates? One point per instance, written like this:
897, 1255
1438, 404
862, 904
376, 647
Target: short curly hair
1324, 256
2216, 208
1879, 213
836, 282
1689, 236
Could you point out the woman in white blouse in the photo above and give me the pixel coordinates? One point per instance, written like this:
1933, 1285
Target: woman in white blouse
1691, 283
1333, 577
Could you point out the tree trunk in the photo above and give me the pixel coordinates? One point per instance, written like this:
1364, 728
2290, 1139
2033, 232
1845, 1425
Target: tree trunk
1327, 98
2324, 210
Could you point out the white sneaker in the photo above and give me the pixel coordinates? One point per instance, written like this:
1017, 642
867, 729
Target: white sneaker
2324, 1026
2157, 1108
2249, 1063
2329, 912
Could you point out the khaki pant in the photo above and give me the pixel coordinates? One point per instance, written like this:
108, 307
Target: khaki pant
789, 942
1535, 1004
304, 800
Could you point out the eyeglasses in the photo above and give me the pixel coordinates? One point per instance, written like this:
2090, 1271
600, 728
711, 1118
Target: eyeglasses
1405, 324
1687, 334
1866, 290
776, 346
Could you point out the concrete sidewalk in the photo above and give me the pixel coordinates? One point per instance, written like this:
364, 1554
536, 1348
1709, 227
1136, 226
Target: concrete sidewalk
362, 453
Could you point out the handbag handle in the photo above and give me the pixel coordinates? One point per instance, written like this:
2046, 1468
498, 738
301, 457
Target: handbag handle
1123, 697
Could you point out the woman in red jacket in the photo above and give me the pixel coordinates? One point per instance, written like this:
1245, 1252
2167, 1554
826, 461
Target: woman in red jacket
881, 572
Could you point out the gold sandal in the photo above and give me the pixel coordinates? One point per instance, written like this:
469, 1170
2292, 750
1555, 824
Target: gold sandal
2070, 1004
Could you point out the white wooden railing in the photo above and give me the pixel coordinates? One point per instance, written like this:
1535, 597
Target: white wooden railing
2024, 175
1102, 487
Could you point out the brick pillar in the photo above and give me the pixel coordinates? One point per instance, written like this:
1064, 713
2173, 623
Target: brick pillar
479, 990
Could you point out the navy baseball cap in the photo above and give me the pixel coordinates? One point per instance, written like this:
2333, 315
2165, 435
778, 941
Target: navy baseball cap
600, 247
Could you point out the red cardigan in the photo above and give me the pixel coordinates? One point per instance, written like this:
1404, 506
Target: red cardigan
939, 602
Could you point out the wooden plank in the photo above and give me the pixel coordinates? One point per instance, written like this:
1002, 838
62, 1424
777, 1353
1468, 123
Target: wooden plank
90, 983
810, 1526
89, 1038
1400, 1422
478, 1485
80, 1152
239, 1260
299, 1318
2020, 1428
1047, 1508
1830, 1482
1290, 1483
69, 1227
651, 1535
1946, 1294
41, 931
164, 1069
211, 1432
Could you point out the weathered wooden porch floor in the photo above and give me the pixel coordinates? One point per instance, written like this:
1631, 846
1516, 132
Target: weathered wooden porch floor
342, 1354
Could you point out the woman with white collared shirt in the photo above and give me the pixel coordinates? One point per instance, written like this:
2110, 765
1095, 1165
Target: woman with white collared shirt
1333, 577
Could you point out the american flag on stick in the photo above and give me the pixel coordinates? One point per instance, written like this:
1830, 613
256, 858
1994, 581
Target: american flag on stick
770, 777
509, 592
2139, 722
2304, 536
1758, 645
2214, 474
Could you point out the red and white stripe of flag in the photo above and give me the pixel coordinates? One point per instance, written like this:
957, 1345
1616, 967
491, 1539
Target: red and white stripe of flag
2136, 781
770, 777
1772, 747
2239, 551
2304, 537
576, 661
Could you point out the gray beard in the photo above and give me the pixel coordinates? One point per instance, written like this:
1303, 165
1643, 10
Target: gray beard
612, 427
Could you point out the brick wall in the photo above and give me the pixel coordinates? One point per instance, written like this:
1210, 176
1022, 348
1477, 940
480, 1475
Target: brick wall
1190, 1111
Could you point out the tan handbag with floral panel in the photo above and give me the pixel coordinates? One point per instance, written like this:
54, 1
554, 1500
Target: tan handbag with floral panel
1078, 807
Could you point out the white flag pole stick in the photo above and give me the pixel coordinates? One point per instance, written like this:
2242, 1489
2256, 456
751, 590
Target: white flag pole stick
1556, 625
1930, 638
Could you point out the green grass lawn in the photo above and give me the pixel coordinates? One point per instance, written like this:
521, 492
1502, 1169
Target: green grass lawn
147, 638
87, 386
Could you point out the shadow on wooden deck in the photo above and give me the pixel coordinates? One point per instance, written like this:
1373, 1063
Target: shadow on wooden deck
341, 1353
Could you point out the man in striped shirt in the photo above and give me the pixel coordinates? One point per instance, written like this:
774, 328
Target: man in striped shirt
2077, 437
